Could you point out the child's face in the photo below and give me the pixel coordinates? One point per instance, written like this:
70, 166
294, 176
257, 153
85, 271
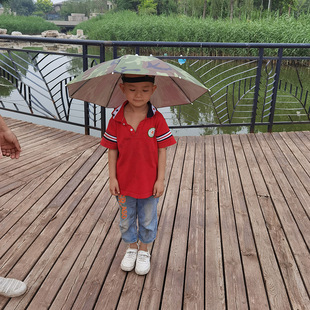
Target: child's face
138, 94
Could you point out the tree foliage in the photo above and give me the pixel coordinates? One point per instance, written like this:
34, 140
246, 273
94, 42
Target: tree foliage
147, 7
217, 9
44, 5
22, 7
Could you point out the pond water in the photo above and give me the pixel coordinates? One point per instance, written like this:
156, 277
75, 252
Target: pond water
232, 83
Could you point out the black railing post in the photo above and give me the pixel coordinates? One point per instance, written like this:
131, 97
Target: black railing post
275, 89
257, 86
103, 110
86, 104
114, 51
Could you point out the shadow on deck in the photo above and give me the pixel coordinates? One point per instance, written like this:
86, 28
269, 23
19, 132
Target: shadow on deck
233, 225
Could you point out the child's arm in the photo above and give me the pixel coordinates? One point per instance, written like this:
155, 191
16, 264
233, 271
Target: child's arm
114, 187
160, 182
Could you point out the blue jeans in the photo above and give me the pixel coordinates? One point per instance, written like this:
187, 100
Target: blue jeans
145, 210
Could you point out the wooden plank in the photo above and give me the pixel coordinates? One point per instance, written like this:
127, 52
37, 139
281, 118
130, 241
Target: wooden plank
8, 184
173, 289
90, 290
298, 149
214, 273
300, 181
38, 161
295, 194
290, 229
30, 229
289, 269
234, 277
194, 280
65, 246
12, 208
28, 212
298, 139
243, 186
153, 287
106, 208
8, 196
114, 292
274, 283
28, 159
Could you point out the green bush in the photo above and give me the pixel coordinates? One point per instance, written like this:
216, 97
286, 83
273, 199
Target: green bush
29, 25
129, 26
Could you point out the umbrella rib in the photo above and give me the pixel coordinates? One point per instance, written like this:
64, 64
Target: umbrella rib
111, 93
181, 90
79, 88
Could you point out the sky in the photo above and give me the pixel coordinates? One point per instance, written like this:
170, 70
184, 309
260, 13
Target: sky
57, 1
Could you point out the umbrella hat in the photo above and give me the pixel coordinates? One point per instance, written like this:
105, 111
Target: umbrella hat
100, 84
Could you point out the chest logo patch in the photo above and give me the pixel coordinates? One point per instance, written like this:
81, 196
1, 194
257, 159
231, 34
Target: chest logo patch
151, 132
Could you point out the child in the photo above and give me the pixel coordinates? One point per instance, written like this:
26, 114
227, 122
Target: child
137, 137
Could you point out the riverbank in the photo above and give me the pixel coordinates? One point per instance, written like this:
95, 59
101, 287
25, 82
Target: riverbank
9, 43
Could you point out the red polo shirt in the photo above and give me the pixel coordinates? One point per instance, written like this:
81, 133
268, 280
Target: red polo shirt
137, 161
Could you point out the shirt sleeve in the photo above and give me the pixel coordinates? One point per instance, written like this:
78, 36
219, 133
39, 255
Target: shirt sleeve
109, 139
164, 136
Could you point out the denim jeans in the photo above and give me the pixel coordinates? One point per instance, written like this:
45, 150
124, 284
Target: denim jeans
145, 210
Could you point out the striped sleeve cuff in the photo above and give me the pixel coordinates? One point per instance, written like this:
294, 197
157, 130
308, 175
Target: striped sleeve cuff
109, 141
110, 138
164, 137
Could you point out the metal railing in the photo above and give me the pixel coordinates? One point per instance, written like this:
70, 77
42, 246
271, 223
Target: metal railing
266, 86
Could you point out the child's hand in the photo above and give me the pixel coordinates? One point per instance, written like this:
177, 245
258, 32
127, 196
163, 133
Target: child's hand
114, 187
158, 188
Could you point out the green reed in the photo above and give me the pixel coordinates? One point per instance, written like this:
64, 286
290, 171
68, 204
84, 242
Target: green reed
29, 25
128, 26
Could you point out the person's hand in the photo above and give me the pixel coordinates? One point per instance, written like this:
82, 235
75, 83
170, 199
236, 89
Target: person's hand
114, 187
159, 187
9, 145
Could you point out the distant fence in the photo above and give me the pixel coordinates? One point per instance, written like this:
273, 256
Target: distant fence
264, 87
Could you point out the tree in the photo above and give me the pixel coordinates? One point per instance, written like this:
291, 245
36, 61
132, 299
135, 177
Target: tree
231, 9
70, 6
44, 5
147, 7
98, 6
127, 5
167, 7
204, 8
22, 7
217, 7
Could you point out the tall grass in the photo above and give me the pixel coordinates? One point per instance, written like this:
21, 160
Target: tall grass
29, 25
128, 26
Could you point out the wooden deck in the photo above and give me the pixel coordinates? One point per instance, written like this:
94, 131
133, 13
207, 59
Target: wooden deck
233, 233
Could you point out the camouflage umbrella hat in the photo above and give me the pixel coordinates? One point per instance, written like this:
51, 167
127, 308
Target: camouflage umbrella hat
100, 84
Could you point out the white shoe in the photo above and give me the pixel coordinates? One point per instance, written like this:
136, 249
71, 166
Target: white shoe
129, 260
12, 287
143, 264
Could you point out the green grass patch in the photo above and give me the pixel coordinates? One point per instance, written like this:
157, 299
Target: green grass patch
29, 25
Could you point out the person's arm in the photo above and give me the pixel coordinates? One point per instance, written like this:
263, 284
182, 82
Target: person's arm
9, 145
160, 182
114, 187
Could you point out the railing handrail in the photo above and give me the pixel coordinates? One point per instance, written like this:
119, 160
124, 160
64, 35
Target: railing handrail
155, 43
